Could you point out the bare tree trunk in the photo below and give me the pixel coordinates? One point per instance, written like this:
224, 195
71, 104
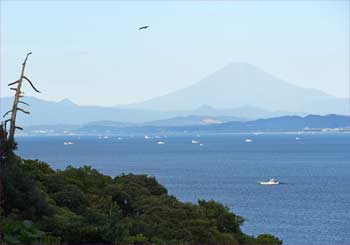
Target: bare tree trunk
15, 102
2, 165
7, 143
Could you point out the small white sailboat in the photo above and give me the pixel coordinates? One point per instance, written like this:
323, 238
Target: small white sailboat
68, 143
270, 182
147, 137
195, 142
160, 143
248, 140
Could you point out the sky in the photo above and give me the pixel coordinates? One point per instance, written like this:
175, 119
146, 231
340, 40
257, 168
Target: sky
93, 53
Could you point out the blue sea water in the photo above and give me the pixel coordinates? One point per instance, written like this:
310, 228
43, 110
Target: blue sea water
311, 207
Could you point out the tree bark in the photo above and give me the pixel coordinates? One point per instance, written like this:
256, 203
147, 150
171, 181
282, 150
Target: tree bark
15, 102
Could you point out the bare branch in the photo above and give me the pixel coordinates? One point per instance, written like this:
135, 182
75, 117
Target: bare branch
13, 89
6, 121
23, 103
7, 113
26, 58
13, 83
20, 109
20, 128
31, 84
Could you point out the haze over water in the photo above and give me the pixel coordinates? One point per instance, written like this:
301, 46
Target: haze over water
311, 207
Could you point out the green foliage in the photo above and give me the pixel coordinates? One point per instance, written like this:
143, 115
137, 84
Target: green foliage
71, 197
24, 232
138, 239
86, 178
21, 192
81, 205
267, 239
16, 232
221, 215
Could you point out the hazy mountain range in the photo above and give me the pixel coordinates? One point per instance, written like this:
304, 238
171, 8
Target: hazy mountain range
287, 123
66, 112
277, 124
238, 92
240, 85
283, 123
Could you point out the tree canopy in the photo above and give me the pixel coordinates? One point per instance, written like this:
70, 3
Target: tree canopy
81, 205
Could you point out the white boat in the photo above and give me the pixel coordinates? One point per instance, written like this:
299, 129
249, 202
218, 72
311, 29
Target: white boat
68, 143
297, 138
160, 143
248, 140
195, 142
200, 144
270, 182
147, 137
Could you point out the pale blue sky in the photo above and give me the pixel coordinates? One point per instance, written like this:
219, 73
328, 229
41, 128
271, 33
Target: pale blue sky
92, 52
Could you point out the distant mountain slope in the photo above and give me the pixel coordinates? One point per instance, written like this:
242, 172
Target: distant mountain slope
66, 112
241, 84
238, 90
287, 123
244, 112
277, 124
192, 120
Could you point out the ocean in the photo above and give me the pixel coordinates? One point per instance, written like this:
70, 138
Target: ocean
311, 206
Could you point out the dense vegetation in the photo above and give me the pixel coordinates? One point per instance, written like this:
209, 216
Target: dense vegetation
81, 205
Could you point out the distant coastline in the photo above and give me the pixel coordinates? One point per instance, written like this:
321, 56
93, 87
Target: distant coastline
284, 124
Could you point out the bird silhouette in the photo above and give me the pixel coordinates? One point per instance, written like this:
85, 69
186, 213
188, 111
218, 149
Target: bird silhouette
143, 27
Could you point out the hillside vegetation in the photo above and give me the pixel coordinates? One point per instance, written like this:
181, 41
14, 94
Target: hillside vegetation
81, 205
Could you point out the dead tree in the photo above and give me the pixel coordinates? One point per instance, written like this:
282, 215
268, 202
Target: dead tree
7, 143
16, 102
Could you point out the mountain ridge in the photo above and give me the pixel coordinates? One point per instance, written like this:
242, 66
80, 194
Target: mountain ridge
313, 123
67, 112
238, 90
241, 84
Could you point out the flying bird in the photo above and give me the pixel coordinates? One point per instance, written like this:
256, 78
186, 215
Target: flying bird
143, 27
